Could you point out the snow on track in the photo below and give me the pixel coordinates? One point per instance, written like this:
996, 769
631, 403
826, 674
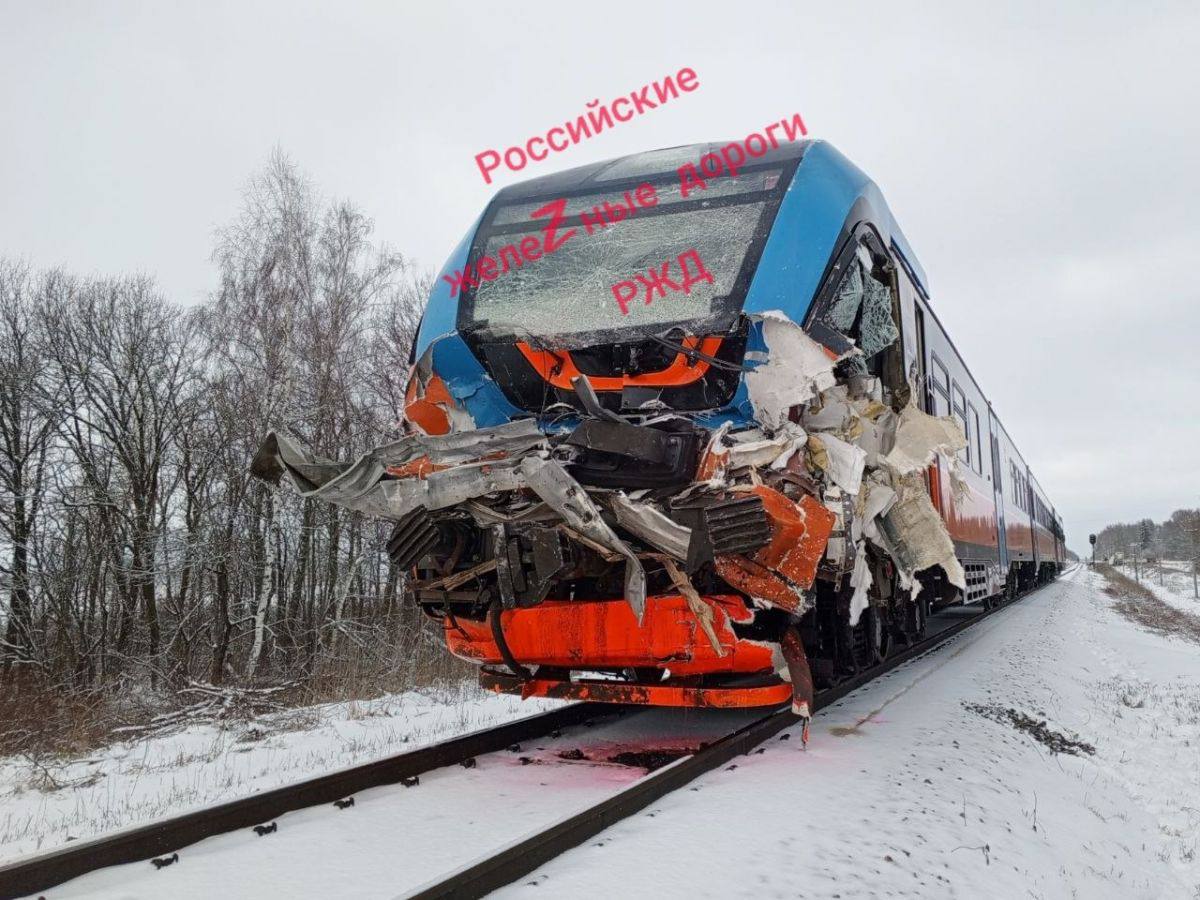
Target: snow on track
907, 791
394, 839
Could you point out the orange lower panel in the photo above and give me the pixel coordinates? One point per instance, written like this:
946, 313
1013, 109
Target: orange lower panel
604, 634
799, 533
775, 694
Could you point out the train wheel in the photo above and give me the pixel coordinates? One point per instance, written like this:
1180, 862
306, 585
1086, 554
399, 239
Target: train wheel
867, 639
921, 619
878, 635
852, 652
914, 616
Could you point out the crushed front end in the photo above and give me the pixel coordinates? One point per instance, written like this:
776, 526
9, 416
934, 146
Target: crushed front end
682, 503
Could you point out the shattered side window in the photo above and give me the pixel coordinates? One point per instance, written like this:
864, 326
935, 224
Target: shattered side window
878, 329
861, 311
849, 300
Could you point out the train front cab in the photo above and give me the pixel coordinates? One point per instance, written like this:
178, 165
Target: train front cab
830, 214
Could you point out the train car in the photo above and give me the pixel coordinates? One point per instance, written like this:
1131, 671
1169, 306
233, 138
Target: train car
1049, 550
689, 437
1016, 524
947, 388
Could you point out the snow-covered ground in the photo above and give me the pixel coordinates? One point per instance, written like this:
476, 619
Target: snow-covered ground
1052, 751
1172, 583
922, 785
44, 802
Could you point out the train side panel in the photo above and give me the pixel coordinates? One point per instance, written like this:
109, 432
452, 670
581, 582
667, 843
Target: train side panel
1018, 522
1045, 528
946, 388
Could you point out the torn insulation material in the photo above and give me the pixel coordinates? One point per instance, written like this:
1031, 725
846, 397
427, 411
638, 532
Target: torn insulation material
841, 462
919, 438
797, 368
916, 534
861, 580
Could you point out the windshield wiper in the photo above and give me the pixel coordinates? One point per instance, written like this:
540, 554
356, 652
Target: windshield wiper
696, 355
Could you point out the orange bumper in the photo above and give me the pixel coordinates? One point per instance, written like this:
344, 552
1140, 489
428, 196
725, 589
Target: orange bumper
604, 634
773, 693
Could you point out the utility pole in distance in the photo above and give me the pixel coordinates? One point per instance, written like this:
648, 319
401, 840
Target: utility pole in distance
1192, 523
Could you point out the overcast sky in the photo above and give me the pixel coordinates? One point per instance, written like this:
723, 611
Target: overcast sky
1041, 158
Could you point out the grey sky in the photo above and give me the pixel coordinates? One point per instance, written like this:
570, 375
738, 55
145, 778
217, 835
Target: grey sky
1040, 158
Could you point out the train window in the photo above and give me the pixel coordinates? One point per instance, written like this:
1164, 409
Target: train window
941, 378
861, 311
960, 415
923, 393
976, 444
940, 395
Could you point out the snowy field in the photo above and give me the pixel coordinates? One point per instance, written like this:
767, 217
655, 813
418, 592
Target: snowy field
44, 803
1176, 588
1052, 751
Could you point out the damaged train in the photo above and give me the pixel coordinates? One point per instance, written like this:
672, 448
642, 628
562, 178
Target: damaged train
725, 497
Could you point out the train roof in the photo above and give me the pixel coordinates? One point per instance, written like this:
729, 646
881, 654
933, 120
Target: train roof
633, 168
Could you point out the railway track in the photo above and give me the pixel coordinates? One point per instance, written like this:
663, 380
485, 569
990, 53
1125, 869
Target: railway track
523, 857
47, 870
736, 735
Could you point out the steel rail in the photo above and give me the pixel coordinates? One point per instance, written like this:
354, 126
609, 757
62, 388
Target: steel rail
48, 870
523, 856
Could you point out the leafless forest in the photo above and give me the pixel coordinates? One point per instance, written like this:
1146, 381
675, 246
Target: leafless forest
1175, 538
138, 559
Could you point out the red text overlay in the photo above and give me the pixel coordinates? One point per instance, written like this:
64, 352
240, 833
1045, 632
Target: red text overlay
734, 156
659, 279
594, 121
692, 177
